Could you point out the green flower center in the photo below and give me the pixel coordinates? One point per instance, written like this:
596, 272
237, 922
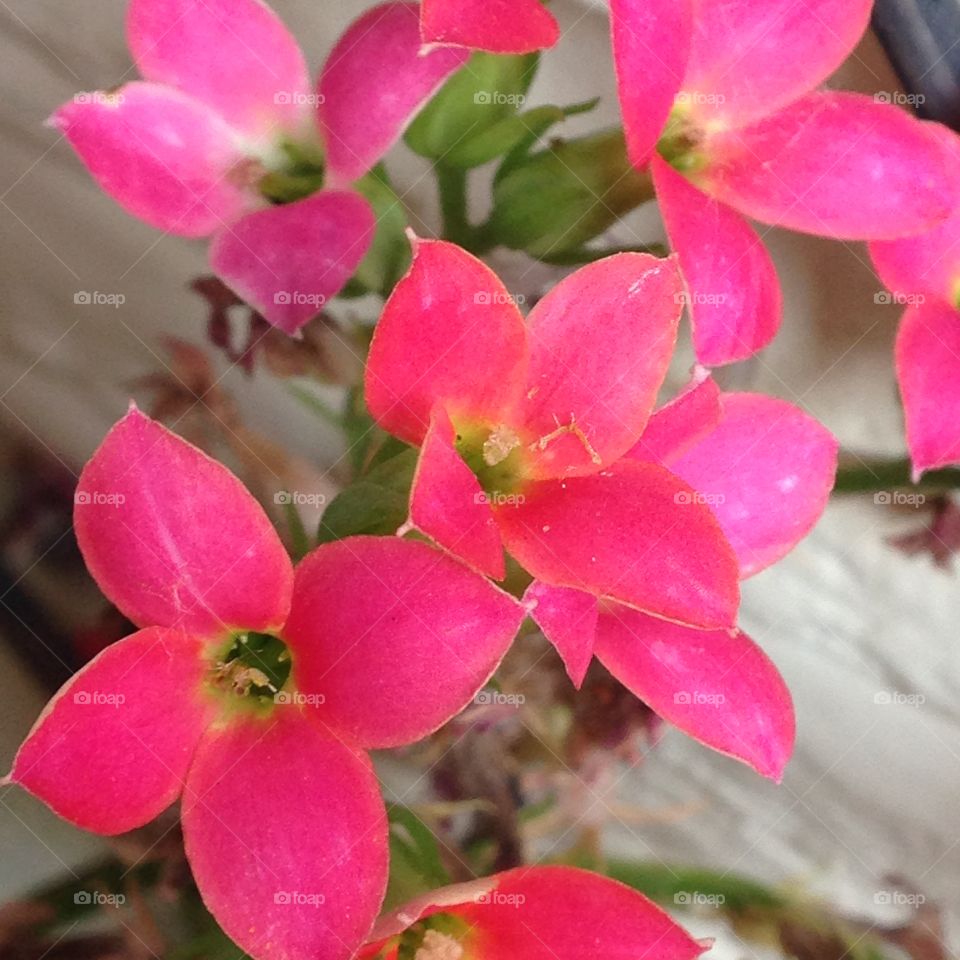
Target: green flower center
680, 142
496, 457
437, 937
299, 175
253, 668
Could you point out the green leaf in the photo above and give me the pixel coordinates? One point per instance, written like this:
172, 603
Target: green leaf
415, 863
480, 94
389, 255
376, 504
509, 133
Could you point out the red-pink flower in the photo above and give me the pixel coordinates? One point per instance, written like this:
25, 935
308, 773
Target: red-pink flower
226, 101
924, 274
499, 26
534, 913
253, 690
523, 426
719, 98
765, 469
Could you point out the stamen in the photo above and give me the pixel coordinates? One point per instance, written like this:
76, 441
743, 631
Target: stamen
565, 428
498, 446
438, 946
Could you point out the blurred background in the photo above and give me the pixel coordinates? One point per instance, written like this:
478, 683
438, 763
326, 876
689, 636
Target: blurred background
861, 618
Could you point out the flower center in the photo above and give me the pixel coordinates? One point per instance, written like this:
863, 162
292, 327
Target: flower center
494, 455
680, 142
253, 667
298, 176
437, 937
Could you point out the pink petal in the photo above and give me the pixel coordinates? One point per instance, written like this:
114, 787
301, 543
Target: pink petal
651, 47
929, 262
531, 915
766, 471
498, 26
635, 533
286, 835
234, 55
928, 370
163, 156
733, 294
600, 344
679, 424
836, 164
527, 913
287, 261
375, 79
174, 539
717, 686
450, 332
752, 57
420, 635
448, 504
568, 619
111, 750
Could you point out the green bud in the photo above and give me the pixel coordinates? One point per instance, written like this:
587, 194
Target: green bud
552, 202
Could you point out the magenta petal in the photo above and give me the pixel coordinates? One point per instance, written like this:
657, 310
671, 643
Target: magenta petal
717, 686
928, 370
568, 619
287, 261
374, 81
234, 55
651, 47
752, 57
111, 750
767, 471
174, 539
286, 835
635, 533
163, 156
733, 294
448, 504
836, 164
679, 424
419, 636
600, 344
449, 333
498, 26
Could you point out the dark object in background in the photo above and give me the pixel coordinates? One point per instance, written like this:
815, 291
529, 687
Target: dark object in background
922, 39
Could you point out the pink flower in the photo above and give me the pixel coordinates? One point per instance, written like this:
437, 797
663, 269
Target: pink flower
719, 98
499, 26
765, 469
924, 274
225, 103
537, 437
253, 690
537, 913
523, 427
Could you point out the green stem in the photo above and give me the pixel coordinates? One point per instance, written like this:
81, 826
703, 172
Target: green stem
876, 475
452, 184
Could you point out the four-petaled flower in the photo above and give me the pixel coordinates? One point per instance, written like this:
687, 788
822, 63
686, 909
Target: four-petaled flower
226, 120
718, 98
536, 436
537, 913
253, 690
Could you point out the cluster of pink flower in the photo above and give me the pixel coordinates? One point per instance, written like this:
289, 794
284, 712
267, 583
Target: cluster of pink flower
538, 436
